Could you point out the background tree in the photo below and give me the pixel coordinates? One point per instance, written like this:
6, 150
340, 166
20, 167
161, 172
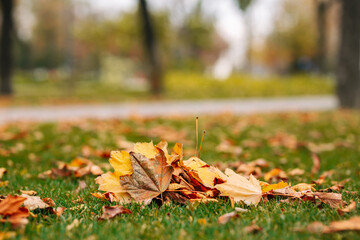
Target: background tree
7, 36
244, 6
150, 46
348, 74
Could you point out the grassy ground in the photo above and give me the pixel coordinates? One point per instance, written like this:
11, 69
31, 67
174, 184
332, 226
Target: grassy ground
40, 145
178, 85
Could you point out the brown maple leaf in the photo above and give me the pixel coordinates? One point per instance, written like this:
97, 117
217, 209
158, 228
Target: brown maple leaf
12, 212
151, 177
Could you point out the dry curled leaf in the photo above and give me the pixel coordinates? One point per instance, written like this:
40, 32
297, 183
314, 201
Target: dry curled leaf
351, 207
12, 212
316, 163
226, 217
151, 177
34, 202
29, 192
82, 185
110, 212
240, 188
300, 187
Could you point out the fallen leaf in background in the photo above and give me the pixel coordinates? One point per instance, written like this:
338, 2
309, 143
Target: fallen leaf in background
253, 228
275, 175
124, 144
351, 207
296, 172
226, 217
82, 186
34, 202
321, 147
110, 212
166, 133
227, 146
6, 235
151, 177
316, 163
29, 192
283, 139
72, 225
2, 172
241, 189
353, 224
78, 167
323, 176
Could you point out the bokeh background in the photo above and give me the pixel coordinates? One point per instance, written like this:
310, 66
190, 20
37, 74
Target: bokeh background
70, 51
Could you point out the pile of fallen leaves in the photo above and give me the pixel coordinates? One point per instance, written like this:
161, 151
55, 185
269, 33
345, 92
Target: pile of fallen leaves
149, 173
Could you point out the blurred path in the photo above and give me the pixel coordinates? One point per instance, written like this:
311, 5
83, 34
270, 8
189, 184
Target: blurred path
164, 108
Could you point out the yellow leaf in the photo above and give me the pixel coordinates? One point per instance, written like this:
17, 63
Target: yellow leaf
146, 149
120, 161
274, 186
240, 188
109, 182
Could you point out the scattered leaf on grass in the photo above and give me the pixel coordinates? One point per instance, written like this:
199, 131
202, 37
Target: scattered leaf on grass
226, 217
110, 212
34, 202
253, 228
29, 192
82, 185
316, 163
351, 207
352, 224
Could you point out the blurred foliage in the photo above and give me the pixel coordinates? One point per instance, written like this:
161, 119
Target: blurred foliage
292, 44
244, 4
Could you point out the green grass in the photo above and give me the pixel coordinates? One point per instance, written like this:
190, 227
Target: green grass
178, 85
49, 142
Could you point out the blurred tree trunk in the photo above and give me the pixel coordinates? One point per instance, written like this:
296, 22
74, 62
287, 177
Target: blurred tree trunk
150, 47
348, 73
321, 41
6, 47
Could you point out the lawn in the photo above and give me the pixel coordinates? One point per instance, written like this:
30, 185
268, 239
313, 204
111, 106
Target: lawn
178, 85
27, 149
